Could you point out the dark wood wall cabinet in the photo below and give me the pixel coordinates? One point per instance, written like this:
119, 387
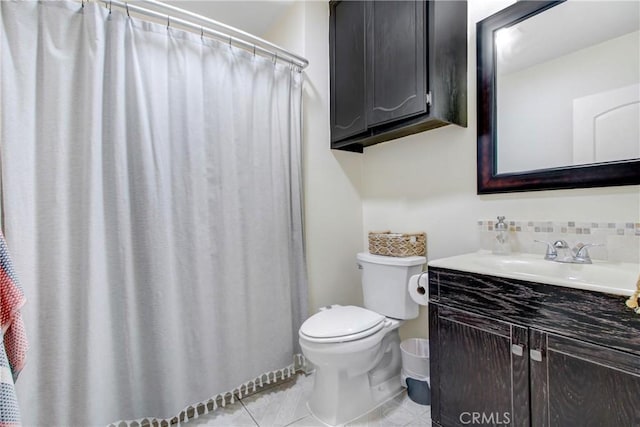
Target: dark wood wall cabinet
396, 68
516, 353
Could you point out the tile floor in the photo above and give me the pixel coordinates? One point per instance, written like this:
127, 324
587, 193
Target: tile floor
285, 405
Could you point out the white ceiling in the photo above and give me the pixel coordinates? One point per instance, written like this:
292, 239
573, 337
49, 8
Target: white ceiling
254, 17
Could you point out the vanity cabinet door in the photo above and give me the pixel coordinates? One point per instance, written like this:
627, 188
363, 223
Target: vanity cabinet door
396, 60
479, 369
574, 383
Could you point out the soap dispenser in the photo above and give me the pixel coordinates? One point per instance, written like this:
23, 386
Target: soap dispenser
502, 246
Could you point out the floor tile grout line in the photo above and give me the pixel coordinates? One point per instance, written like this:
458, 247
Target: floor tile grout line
298, 419
248, 411
262, 390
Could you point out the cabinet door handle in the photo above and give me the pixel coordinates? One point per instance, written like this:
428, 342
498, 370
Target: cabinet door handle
536, 355
517, 349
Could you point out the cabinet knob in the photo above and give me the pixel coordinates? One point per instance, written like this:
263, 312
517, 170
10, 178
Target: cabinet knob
517, 349
536, 355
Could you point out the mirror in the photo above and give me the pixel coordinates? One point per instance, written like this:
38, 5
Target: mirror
559, 96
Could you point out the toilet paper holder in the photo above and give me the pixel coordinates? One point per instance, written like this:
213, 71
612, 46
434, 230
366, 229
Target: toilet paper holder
421, 290
418, 290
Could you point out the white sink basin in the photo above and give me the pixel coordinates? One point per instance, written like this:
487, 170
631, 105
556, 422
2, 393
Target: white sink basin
611, 277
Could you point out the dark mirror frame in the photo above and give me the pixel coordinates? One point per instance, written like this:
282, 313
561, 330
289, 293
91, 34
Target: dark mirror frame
625, 172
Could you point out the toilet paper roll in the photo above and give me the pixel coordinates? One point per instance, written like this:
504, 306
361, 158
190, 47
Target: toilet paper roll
419, 288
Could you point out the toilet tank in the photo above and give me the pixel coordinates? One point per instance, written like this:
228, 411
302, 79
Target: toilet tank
385, 284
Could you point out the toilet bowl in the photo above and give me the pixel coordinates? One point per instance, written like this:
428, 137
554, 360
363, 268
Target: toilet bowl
356, 370
356, 350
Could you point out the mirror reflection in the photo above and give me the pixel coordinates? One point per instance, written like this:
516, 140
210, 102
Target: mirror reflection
568, 87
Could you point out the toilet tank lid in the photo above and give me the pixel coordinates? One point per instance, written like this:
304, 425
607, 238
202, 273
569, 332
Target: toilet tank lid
391, 260
340, 321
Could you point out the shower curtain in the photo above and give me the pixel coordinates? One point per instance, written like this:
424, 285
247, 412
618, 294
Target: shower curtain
151, 195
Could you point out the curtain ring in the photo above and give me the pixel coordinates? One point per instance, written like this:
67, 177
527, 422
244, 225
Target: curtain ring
109, 7
230, 39
202, 32
275, 58
83, 4
168, 21
126, 5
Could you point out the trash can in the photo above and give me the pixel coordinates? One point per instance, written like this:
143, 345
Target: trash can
415, 369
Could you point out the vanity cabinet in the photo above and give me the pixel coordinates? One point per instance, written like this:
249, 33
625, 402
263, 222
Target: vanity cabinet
396, 68
510, 352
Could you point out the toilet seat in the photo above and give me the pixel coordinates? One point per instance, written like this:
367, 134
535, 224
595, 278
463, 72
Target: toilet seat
341, 324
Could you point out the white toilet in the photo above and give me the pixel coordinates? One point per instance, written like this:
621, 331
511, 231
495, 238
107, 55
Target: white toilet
356, 350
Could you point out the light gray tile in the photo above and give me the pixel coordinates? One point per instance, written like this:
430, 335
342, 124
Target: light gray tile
422, 420
399, 411
231, 415
281, 405
410, 406
308, 421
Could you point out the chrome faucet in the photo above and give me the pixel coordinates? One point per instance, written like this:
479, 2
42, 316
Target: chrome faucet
560, 251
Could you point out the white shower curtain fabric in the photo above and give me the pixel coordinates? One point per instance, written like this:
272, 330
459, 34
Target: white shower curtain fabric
151, 195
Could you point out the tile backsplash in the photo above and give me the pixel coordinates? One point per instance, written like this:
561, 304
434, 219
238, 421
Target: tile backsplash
620, 241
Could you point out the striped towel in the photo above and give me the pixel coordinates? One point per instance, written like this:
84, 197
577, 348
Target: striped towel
14, 349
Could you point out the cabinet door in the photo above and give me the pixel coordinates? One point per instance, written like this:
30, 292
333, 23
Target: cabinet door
396, 57
479, 369
574, 383
347, 56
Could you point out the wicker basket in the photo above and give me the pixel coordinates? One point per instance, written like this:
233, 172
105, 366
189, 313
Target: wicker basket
397, 244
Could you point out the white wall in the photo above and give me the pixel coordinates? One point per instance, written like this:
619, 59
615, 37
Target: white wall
421, 182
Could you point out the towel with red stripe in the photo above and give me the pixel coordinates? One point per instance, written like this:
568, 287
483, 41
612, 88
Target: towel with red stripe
14, 349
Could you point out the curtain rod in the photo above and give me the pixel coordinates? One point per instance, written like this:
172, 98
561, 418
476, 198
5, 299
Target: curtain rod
212, 28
